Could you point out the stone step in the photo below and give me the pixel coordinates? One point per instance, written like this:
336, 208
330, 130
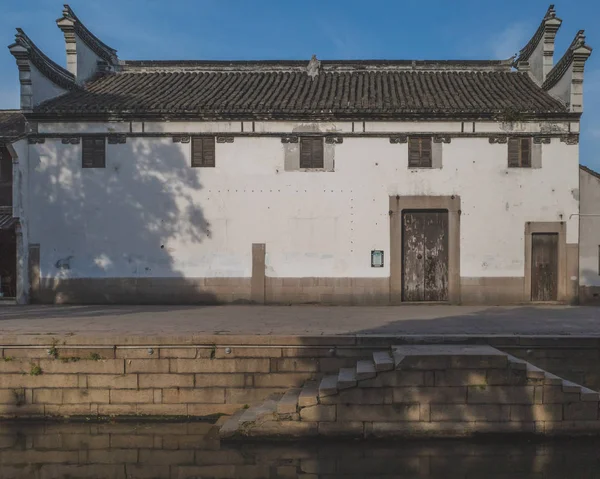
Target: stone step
533, 372
231, 426
398, 358
552, 380
346, 378
256, 413
516, 363
569, 387
288, 404
383, 361
589, 395
328, 386
365, 369
309, 394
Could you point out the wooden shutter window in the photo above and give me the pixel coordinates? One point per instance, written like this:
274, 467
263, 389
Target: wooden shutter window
519, 152
419, 152
93, 152
311, 152
203, 151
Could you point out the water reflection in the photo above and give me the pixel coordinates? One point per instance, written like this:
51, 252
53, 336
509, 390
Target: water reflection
192, 450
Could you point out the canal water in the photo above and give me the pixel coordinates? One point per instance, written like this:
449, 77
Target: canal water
192, 451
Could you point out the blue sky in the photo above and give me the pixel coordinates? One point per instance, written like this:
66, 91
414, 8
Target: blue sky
331, 29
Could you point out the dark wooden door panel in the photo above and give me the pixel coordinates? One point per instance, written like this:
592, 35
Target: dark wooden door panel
544, 267
425, 256
414, 250
436, 256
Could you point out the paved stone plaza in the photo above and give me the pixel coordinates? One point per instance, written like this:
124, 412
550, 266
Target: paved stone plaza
300, 320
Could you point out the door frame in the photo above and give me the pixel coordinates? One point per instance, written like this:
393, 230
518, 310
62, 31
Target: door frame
400, 203
559, 227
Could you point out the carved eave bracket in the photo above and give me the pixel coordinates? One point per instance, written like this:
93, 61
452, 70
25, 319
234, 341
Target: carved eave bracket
442, 139
181, 139
289, 139
571, 139
498, 139
117, 139
224, 139
28, 55
396, 139
334, 140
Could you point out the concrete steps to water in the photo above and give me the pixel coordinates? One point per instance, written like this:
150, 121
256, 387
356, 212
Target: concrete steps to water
436, 390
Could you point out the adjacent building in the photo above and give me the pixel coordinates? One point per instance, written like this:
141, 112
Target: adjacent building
345, 182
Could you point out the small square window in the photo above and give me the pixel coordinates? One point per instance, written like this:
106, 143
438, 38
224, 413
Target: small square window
419, 152
93, 152
376, 258
519, 152
203, 152
311, 152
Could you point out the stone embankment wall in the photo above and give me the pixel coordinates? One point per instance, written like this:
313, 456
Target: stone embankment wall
217, 375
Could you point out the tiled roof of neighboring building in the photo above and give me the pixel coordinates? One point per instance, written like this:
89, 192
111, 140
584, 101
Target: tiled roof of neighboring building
12, 125
590, 171
351, 89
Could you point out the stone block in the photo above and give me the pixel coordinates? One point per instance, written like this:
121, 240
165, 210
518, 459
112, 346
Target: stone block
27, 410
27, 353
146, 366
250, 396
501, 395
116, 409
351, 428
12, 396
285, 428
178, 353
324, 352
242, 365
215, 472
571, 427
134, 353
41, 381
131, 396
131, 441
506, 377
47, 396
220, 380
318, 413
555, 395
333, 365
251, 352
445, 395
16, 366
117, 381
394, 379
461, 377
287, 380
84, 441
113, 456
149, 471
536, 412
360, 396
161, 409
77, 396
425, 412
580, 411
203, 410
469, 413
391, 413
68, 410
295, 365
195, 395
166, 457
88, 366
166, 380
229, 456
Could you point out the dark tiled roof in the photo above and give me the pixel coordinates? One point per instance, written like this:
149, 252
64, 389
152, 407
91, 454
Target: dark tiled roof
12, 125
333, 93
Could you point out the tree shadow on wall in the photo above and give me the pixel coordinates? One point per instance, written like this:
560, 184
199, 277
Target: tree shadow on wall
107, 234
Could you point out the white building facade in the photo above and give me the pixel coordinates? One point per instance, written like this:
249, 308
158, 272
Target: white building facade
367, 182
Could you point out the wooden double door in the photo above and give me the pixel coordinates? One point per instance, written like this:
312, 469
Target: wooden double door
544, 267
425, 255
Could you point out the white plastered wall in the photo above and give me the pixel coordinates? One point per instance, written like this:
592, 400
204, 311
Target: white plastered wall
148, 214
